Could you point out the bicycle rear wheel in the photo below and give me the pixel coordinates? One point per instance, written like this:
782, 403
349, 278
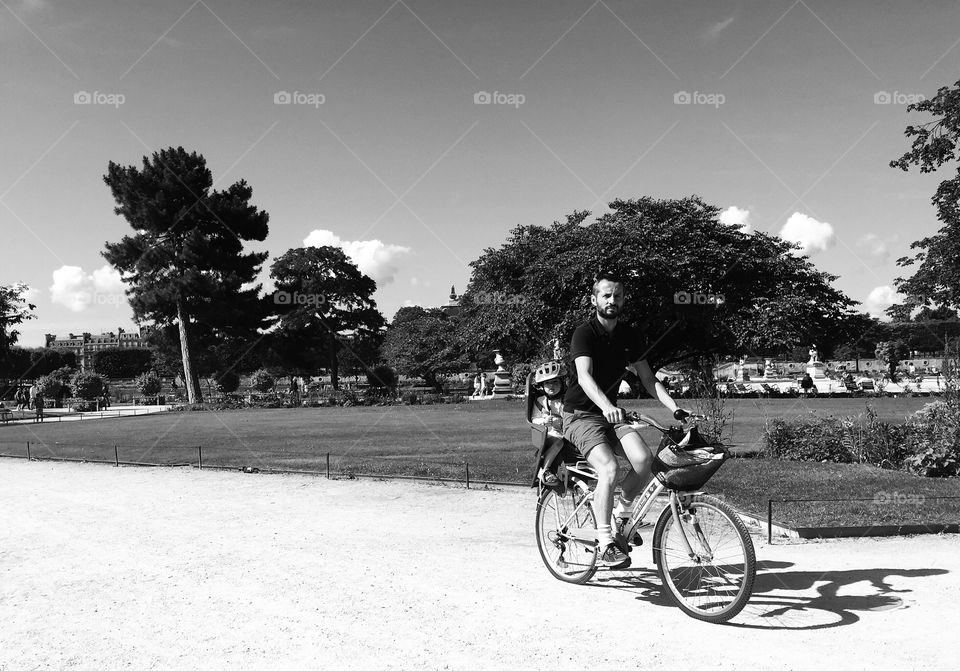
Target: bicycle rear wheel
566, 535
717, 581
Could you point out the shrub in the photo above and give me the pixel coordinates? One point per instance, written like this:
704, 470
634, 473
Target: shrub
87, 385
806, 439
519, 376
228, 382
262, 381
382, 378
934, 440
149, 383
49, 386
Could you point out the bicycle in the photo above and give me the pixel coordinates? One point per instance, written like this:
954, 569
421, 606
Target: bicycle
702, 550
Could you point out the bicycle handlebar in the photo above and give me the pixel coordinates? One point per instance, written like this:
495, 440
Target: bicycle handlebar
637, 418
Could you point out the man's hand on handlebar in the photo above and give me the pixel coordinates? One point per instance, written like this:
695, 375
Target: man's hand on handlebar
615, 415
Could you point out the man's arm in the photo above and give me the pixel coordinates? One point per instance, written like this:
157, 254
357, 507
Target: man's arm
585, 379
653, 386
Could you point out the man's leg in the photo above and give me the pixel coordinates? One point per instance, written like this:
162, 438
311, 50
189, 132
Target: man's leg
603, 461
641, 458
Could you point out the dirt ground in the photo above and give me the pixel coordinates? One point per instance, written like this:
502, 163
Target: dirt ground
150, 568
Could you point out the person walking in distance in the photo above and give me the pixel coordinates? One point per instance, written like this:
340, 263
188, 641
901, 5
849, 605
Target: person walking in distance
602, 350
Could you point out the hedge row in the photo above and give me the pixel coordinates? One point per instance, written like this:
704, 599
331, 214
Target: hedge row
927, 444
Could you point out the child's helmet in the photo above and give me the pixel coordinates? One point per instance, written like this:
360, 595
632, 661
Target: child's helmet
549, 371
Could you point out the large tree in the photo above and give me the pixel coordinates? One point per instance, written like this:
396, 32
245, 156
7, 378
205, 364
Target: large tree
185, 261
422, 343
698, 288
936, 280
14, 310
322, 302
122, 362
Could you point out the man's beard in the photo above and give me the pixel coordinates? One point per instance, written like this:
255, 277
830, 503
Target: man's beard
609, 311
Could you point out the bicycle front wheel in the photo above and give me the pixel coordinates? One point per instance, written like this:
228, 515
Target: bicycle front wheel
714, 581
566, 535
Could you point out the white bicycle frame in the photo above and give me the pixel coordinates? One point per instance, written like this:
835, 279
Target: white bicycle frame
647, 497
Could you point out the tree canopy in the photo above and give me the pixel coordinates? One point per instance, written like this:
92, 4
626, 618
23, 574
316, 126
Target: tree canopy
322, 303
695, 286
936, 280
14, 310
185, 261
423, 343
122, 362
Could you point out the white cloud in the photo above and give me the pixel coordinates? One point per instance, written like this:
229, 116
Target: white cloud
714, 31
879, 299
735, 216
875, 246
810, 234
374, 258
76, 290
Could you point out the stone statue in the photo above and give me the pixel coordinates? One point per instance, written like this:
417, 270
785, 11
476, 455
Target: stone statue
813, 355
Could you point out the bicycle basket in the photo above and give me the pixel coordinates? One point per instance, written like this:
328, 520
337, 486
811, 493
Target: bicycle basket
690, 464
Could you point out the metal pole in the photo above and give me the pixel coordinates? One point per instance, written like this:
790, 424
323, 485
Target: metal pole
116, 455
467, 466
328, 465
200, 457
28, 451
770, 521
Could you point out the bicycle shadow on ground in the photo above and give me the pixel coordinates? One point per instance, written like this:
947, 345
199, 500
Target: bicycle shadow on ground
781, 599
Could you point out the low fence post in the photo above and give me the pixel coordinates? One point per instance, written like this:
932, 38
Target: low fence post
769, 521
466, 465
200, 457
116, 456
29, 458
328, 465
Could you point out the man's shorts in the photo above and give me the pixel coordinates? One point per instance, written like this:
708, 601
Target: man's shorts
586, 430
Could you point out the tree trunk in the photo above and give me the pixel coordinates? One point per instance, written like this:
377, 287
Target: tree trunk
334, 364
189, 380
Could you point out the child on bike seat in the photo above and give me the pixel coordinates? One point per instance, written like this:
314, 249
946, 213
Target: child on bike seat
548, 384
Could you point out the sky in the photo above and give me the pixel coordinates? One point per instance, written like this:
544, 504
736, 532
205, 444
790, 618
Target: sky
415, 134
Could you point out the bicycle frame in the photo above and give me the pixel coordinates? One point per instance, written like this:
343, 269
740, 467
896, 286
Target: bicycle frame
647, 497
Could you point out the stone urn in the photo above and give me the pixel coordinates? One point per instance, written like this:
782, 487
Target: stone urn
502, 379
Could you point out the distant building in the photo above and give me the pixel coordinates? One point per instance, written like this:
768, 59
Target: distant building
86, 345
452, 308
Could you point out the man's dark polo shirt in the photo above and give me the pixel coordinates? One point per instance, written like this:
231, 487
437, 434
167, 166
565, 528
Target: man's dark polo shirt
610, 351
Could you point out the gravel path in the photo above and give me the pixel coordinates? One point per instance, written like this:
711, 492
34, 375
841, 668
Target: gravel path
110, 568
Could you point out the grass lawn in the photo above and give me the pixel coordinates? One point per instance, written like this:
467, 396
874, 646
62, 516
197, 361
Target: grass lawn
435, 441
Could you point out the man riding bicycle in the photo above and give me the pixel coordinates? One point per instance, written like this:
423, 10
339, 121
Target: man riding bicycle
602, 351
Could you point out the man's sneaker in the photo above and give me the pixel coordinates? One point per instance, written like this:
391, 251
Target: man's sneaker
613, 557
